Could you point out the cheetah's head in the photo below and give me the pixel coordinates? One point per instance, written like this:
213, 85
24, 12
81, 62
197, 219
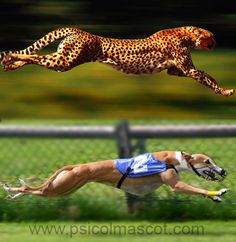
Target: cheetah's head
201, 38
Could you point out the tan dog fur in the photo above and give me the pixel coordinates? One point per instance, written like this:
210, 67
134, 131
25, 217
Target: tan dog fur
72, 177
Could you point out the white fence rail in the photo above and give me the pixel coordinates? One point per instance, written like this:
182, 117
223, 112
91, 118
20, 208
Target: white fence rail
134, 131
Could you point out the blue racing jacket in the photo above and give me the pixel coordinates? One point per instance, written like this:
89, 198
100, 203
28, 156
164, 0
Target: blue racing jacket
142, 165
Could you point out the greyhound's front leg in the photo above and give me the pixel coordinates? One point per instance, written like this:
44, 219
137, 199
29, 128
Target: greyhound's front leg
171, 179
183, 187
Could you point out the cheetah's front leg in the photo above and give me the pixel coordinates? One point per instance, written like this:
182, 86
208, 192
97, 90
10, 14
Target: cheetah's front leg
184, 63
208, 81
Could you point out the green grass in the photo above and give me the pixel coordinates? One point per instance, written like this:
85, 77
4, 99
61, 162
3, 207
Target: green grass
35, 159
208, 231
95, 90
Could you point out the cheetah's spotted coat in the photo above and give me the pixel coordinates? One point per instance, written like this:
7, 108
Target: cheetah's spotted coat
167, 49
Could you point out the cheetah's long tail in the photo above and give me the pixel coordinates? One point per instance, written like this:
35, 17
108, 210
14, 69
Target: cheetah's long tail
43, 42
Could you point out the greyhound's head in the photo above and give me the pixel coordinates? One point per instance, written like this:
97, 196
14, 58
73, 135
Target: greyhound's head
201, 164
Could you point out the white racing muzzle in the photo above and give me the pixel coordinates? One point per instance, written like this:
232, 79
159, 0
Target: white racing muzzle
209, 171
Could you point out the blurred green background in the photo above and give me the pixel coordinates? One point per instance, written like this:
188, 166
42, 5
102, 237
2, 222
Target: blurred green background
97, 91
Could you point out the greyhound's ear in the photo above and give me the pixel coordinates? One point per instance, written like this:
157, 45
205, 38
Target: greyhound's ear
186, 156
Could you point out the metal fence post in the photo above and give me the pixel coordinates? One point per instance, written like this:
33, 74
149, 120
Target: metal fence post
123, 140
125, 151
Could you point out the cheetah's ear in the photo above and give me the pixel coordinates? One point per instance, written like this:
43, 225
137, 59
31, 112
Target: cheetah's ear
186, 156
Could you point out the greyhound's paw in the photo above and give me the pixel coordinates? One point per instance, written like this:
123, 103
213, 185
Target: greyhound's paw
14, 196
217, 193
222, 191
10, 197
216, 199
6, 187
214, 195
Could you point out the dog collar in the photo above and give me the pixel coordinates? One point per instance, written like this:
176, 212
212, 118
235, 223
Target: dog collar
183, 164
195, 170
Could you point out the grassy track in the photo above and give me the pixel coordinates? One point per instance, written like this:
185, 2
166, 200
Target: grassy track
187, 231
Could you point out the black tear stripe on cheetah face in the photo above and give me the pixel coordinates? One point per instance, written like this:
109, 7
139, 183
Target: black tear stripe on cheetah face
167, 49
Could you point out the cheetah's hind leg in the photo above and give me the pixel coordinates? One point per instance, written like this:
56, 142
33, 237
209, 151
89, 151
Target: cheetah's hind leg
13, 65
13, 61
56, 61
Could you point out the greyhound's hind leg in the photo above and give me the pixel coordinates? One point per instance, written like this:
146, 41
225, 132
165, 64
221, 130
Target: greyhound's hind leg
9, 189
15, 196
62, 182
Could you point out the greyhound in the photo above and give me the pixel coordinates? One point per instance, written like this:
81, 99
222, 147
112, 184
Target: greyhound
137, 175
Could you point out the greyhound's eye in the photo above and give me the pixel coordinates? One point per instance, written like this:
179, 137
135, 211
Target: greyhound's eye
207, 162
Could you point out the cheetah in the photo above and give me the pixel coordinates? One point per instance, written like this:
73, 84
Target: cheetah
167, 49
